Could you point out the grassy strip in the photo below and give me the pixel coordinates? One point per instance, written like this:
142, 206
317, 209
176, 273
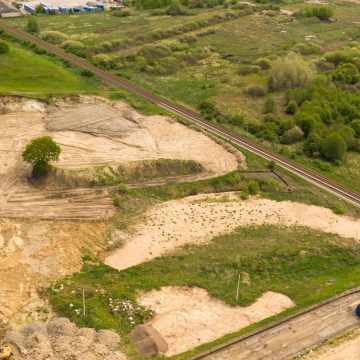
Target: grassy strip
295, 261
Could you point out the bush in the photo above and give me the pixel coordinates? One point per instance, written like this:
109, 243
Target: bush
334, 147
321, 12
291, 107
53, 37
269, 106
248, 69
39, 152
74, 47
256, 90
87, 73
289, 72
122, 13
4, 47
292, 135
175, 8
346, 73
263, 63
355, 124
313, 144
32, 25
253, 187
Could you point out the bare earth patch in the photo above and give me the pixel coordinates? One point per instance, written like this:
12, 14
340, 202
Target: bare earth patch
197, 219
36, 253
91, 132
187, 317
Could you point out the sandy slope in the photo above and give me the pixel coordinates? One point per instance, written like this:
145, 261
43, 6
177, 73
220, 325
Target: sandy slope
91, 131
199, 218
188, 317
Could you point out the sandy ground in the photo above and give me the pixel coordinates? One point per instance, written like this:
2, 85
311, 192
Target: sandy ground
34, 253
347, 348
91, 131
199, 218
188, 317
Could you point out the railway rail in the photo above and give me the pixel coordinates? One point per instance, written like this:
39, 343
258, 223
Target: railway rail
232, 348
260, 150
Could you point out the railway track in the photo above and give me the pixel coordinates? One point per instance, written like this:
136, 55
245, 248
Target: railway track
260, 150
324, 321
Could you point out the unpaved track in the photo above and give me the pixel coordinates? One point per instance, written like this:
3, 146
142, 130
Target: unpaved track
293, 336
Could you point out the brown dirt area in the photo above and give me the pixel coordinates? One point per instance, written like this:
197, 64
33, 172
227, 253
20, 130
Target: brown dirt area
346, 348
91, 131
197, 219
187, 317
34, 253
61, 339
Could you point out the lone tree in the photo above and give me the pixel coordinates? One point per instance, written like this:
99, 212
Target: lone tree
39, 152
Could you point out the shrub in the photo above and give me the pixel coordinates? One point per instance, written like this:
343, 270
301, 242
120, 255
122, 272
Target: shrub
122, 13
313, 144
53, 37
292, 135
263, 63
334, 147
4, 47
291, 107
73, 46
289, 72
269, 106
346, 73
248, 69
39, 152
175, 8
87, 73
355, 124
321, 12
253, 187
32, 25
255, 90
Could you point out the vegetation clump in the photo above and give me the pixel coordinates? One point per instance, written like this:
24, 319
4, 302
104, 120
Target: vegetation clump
39, 152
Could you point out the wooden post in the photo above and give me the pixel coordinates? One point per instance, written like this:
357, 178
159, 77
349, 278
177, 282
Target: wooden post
84, 310
237, 289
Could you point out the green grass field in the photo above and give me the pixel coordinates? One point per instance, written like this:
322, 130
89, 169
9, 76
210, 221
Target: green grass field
22, 72
297, 264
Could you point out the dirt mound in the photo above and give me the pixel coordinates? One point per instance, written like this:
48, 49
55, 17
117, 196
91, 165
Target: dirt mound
200, 218
92, 132
43, 251
187, 317
63, 340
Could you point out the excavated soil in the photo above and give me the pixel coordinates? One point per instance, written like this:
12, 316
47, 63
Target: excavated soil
34, 253
61, 339
187, 317
91, 132
197, 219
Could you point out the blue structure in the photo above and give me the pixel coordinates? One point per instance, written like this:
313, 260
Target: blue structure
76, 9
357, 310
100, 7
30, 9
63, 9
88, 8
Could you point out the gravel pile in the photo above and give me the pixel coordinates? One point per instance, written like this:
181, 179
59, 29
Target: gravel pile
62, 339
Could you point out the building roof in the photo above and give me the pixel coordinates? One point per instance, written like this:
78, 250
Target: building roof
5, 9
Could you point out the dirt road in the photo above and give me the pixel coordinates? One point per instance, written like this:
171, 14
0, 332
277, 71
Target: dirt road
291, 337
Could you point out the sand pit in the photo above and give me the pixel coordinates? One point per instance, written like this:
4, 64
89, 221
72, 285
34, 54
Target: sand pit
188, 317
197, 219
91, 132
36, 253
